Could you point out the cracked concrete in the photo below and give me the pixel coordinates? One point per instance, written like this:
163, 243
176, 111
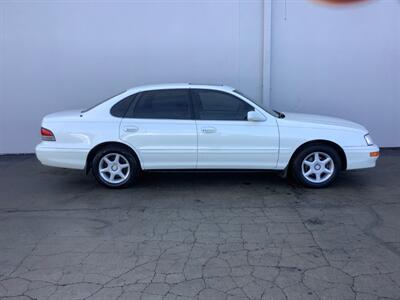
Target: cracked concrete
198, 235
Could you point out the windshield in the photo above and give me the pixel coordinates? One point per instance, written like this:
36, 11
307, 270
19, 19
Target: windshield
97, 104
275, 113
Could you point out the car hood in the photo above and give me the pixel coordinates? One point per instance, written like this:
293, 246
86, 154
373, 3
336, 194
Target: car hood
318, 120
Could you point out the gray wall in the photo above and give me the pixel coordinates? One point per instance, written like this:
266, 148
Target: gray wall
58, 55
341, 61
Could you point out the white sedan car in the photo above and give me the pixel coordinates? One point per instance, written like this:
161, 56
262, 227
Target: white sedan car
187, 126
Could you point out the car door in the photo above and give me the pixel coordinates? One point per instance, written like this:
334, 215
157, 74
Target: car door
226, 139
160, 127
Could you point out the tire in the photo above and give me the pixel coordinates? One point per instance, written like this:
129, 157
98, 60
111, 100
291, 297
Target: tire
316, 166
121, 168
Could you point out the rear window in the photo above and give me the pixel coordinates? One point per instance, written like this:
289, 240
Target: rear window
97, 104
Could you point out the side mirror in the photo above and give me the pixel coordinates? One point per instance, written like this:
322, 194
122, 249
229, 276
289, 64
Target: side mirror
255, 116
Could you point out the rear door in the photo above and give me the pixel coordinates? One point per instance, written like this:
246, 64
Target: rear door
226, 139
159, 125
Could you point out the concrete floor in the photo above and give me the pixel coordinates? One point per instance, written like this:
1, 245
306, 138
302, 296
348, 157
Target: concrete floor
198, 235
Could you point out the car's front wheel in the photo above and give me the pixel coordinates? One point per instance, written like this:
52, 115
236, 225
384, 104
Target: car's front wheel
316, 166
115, 167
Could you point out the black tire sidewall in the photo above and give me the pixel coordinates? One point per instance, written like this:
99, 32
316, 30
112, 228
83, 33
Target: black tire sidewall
298, 160
134, 170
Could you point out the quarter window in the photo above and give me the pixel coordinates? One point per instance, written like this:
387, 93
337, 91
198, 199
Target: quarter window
163, 104
216, 105
119, 109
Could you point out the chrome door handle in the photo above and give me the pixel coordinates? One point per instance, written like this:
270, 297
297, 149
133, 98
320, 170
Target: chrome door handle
131, 129
208, 130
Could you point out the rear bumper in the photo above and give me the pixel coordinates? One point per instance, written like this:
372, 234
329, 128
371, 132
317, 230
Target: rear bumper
360, 158
60, 157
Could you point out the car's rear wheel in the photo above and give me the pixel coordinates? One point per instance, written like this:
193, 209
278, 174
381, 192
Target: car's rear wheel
316, 166
115, 167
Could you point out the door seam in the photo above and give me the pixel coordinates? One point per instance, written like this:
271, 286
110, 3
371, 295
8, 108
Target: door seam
197, 145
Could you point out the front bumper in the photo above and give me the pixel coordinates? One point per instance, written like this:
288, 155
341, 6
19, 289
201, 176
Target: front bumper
61, 157
360, 157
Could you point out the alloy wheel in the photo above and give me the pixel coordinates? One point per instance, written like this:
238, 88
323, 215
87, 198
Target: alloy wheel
317, 167
114, 168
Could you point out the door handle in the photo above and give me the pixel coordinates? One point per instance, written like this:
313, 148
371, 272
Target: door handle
131, 129
209, 129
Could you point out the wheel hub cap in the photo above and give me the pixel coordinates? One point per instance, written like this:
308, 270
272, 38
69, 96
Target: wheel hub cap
114, 168
317, 167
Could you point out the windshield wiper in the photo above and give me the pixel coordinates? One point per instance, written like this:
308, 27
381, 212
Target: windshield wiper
280, 115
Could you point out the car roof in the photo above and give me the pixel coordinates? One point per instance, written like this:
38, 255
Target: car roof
165, 86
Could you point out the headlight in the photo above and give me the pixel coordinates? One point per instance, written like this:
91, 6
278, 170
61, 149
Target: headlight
368, 139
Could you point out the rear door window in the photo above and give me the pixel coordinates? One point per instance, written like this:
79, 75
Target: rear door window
162, 104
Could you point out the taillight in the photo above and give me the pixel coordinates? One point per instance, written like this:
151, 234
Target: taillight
47, 135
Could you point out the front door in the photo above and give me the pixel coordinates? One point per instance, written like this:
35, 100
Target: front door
159, 126
226, 139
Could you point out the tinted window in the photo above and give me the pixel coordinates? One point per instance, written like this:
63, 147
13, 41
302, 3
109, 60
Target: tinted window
267, 109
90, 108
163, 104
215, 105
119, 109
